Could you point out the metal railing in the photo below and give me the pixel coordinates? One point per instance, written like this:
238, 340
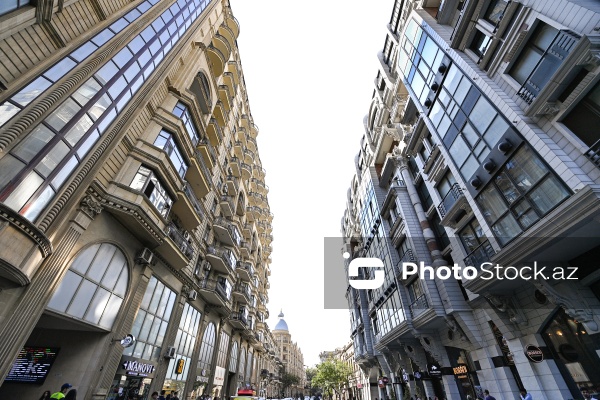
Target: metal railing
245, 265
450, 199
203, 167
224, 254
215, 286
180, 240
419, 305
225, 198
244, 289
231, 228
211, 151
482, 253
191, 196
593, 153
238, 316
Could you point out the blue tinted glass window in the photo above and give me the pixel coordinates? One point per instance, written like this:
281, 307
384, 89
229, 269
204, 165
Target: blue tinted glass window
83, 51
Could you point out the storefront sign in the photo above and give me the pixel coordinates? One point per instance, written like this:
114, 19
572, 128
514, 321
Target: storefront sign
434, 370
534, 353
136, 367
417, 375
219, 376
460, 371
32, 365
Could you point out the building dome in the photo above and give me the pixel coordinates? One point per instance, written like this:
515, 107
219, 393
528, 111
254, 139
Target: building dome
281, 325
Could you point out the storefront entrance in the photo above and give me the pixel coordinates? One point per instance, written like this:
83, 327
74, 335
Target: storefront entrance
575, 352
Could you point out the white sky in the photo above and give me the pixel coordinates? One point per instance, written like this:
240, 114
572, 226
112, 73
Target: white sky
309, 68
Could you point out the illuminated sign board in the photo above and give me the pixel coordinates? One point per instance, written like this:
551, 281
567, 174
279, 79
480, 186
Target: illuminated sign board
136, 367
32, 364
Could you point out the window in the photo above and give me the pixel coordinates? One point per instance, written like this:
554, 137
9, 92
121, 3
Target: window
185, 340
540, 58
584, 119
7, 6
147, 182
522, 192
207, 348
94, 286
424, 195
183, 113
242, 366
151, 322
225, 285
233, 358
222, 351
495, 11
166, 142
480, 43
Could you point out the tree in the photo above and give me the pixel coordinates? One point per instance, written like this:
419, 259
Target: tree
288, 380
310, 374
332, 376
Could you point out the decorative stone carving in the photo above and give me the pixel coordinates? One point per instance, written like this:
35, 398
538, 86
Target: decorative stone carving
576, 308
90, 206
505, 305
455, 327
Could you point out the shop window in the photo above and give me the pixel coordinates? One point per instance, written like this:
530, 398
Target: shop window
207, 348
94, 287
233, 358
185, 340
575, 353
151, 322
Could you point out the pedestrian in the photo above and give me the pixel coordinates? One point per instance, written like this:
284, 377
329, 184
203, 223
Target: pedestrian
487, 395
45, 395
155, 395
72, 395
162, 395
174, 396
525, 395
586, 394
469, 397
63, 390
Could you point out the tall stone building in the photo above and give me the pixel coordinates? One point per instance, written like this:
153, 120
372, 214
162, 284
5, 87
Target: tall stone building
481, 146
291, 357
135, 232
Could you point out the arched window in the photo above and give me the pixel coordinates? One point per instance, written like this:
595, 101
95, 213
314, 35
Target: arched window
205, 85
94, 286
233, 359
207, 348
242, 366
248, 366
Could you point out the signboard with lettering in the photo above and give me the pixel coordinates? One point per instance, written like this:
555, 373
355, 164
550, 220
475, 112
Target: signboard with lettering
534, 353
32, 364
136, 367
434, 370
460, 371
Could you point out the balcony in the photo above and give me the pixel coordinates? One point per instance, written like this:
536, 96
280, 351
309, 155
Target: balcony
177, 248
241, 135
236, 168
198, 176
255, 211
216, 294
226, 97
220, 114
254, 131
245, 270
245, 120
482, 253
418, 306
238, 320
229, 81
259, 172
227, 205
245, 250
246, 170
267, 250
248, 156
241, 293
268, 238
435, 151
233, 187
217, 59
251, 142
221, 259
453, 207
593, 154
247, 230
213, 130
238, 148
258, 185
227, 232
207, 152
257, 199
188, 208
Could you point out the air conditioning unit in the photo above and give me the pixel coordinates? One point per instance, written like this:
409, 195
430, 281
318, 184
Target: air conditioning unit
186, 235
192, 295
145, 256
170, 352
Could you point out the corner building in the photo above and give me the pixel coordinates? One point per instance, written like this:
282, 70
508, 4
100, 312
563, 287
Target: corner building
480, 146
133, 202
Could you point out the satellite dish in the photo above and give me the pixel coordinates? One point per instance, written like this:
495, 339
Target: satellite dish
128, 340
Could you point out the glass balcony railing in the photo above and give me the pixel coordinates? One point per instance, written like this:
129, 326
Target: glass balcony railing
482, 253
